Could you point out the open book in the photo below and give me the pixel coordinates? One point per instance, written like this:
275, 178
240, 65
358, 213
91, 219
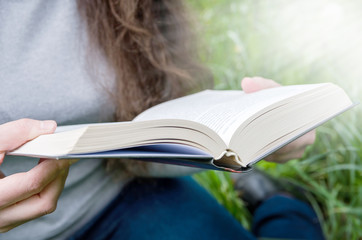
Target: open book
228, 130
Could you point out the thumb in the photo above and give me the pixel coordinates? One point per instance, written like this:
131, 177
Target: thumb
16, 133
255, 84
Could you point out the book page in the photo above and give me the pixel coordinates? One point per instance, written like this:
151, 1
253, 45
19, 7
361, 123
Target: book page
222, 111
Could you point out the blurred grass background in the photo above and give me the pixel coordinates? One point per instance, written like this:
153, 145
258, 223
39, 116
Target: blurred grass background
293, 42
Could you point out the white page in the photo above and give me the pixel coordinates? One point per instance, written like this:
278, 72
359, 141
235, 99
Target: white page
222, 111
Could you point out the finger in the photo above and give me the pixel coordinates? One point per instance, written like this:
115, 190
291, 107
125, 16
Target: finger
6, 228
282, 158
255, 84
35, 206
2, 155
9, 227
2, 175
16, 133
23, 185
293, 150
298, 144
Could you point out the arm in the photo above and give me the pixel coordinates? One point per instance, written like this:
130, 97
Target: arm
28, 195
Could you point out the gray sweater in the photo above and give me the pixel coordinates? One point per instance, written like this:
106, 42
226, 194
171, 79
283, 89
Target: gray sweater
45, 74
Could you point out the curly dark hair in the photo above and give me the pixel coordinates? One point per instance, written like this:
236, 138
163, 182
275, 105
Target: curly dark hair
149, 45
151, 48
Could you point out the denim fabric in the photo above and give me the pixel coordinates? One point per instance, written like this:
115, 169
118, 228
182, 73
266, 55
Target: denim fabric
178, 208
286, 217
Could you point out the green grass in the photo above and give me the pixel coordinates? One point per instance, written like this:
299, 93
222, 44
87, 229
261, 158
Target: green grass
254, 38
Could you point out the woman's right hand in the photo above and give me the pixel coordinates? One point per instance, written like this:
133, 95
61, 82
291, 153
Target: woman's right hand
28, 195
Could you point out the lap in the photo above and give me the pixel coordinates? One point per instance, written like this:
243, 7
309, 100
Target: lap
165, 208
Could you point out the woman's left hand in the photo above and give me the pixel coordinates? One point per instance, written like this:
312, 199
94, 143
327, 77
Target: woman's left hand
294, 149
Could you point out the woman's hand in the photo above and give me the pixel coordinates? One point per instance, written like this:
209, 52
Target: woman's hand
294, 149
28, 195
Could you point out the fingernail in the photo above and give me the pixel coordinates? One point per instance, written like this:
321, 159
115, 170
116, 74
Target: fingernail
48, 125
258, 80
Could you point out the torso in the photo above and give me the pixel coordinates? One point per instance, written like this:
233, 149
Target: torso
44, 75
